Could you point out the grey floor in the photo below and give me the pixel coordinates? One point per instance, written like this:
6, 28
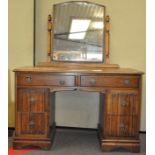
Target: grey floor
81, 142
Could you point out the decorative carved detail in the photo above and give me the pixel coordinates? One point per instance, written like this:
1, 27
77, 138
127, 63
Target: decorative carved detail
123, 129
32, 100
124, 103
31, 121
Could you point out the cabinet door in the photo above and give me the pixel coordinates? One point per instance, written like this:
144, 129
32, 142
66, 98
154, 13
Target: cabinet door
121, 114
32, 124
121, 126
122, 102
32, 116
32, 100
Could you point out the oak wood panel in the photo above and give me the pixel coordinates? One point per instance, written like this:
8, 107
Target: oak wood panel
33, 124
122, 102
121, 113
131, 145
110, 81
121, 126
45, 80
40, 142
32, 100
67, 69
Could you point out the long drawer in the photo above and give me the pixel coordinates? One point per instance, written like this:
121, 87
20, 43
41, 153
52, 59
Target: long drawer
27, 79
110, 81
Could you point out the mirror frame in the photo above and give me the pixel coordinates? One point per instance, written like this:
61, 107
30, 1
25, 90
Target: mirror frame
106, 37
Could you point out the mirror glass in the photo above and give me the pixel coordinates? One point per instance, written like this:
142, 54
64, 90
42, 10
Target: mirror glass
78, 29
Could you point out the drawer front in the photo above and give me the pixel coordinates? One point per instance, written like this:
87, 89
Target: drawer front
121, 126
110, 81
33, 100
122, 102
45, 80
32, 124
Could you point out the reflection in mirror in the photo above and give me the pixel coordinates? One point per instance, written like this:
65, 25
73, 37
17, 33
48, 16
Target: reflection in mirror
78, 32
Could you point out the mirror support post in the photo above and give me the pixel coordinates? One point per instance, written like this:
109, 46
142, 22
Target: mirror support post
107, 38
49, 38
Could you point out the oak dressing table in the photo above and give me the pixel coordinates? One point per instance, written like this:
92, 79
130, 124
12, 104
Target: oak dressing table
119, 88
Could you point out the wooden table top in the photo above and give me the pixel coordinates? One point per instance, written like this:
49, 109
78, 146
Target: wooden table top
78, 70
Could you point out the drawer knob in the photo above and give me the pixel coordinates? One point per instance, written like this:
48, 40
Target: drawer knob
126, 82
122, 125
28, 78
31, 124
32, 100
62, 82
93, 82
123, 103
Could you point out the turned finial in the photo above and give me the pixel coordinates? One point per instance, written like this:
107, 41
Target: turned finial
107, 19
49, 22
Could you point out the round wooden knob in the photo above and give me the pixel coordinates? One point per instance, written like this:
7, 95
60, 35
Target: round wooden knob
123, 103
126, 82
122, 125
32, 100
61, 82
31, 124
28, 78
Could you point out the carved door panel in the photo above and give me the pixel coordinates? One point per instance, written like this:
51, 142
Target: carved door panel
33, 100
122, 102
32, 112
121, 117
33, 124
121, 126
